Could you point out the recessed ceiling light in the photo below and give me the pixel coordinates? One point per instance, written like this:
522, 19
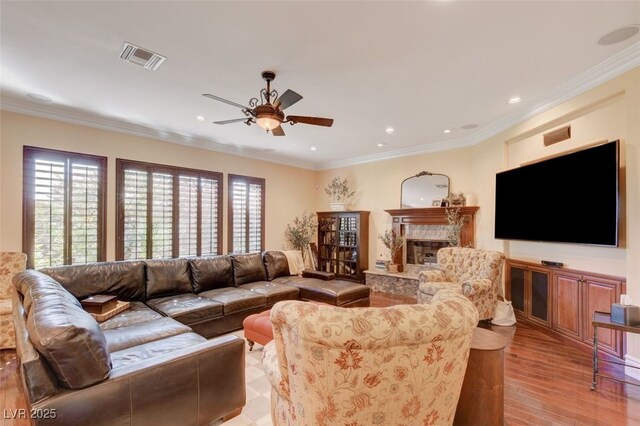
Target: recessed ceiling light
515, 100
380, 144
447, 131
200, 118
469, 126
389, 130
39, 98
619, 35
313, 148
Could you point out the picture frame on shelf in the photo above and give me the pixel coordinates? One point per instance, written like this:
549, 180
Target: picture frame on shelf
436, 202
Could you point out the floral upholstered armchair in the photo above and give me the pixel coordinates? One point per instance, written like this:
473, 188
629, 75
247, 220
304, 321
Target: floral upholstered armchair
10, 264
369, 366
478, 273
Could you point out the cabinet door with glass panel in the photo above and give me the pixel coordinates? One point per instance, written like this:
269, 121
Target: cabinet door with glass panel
343, 239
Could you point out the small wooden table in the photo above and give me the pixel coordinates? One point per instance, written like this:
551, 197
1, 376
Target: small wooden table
603, 319
482, 396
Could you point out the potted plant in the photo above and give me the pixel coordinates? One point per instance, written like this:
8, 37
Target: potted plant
339, 193
394, 243
300, 233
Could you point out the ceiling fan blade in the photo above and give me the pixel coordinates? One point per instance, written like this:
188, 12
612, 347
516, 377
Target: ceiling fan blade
287, 99
219, 99
316, 121
235, 120
278, 131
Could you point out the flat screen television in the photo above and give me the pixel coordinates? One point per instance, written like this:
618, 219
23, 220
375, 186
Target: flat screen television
568, 199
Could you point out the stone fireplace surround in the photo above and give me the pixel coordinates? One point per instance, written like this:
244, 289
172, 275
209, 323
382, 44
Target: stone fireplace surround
427, 227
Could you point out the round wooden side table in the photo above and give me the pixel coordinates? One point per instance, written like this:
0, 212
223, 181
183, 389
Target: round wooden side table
482, 396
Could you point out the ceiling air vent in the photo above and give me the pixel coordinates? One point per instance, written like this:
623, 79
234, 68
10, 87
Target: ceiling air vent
143, 57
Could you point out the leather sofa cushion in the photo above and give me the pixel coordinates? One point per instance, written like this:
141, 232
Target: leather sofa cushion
274, 292
136, 313
167, 276
45, 286
236, 299
68, 337
248, 268
154, 349
187, 308
141, 333
209, 273
123, 279
276, 264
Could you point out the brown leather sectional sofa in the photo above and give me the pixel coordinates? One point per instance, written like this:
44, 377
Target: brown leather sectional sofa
151, 364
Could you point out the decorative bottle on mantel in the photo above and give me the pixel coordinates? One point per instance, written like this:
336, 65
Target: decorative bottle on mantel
471, 199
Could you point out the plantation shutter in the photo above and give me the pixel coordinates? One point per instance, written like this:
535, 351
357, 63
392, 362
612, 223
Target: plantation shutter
246, 198
255, 218
49, 247
209, 208
166, 211
85, 182
188, 220
63, 205
135, 214
162, 216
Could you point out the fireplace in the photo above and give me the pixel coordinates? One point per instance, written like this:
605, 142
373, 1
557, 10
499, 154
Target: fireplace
427, 231
423, 252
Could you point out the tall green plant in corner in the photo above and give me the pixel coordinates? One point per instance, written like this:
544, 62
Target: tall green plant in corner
300, 232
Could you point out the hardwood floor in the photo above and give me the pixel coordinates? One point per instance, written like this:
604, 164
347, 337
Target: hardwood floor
546, 382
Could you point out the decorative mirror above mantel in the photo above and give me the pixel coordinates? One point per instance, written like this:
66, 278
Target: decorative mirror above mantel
424, 190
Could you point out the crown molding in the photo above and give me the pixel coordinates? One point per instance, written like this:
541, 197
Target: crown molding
615, 65
83, 118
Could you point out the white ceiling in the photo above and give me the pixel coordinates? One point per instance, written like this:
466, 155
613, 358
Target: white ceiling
420, 67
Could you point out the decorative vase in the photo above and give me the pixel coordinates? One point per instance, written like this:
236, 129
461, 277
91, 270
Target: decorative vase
338, 207
393, 267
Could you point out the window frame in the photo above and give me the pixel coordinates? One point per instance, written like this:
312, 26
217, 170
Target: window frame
123, 164
29, 155
250, 180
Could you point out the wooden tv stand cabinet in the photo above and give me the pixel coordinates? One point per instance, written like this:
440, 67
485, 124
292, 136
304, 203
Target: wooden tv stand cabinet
560, 302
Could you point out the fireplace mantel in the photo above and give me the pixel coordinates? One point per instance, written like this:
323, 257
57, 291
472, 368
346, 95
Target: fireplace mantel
433, 216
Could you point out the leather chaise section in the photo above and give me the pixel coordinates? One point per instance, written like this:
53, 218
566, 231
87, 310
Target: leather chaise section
274, 292
187, 308
138, 334
137, 313
335, 292
236, 299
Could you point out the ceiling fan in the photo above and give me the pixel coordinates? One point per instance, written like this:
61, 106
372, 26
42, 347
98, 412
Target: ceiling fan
267, 112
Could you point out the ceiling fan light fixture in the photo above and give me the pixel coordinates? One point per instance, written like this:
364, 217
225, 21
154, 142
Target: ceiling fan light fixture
267, 122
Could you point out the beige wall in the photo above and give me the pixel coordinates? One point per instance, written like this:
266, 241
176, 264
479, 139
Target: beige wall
609, 111
289, 190
378, 187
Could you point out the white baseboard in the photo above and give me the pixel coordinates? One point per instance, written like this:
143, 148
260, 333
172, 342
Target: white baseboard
632, 361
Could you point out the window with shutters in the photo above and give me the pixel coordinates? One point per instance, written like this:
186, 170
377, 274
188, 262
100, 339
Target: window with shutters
63, 207
246, 214
166, 211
